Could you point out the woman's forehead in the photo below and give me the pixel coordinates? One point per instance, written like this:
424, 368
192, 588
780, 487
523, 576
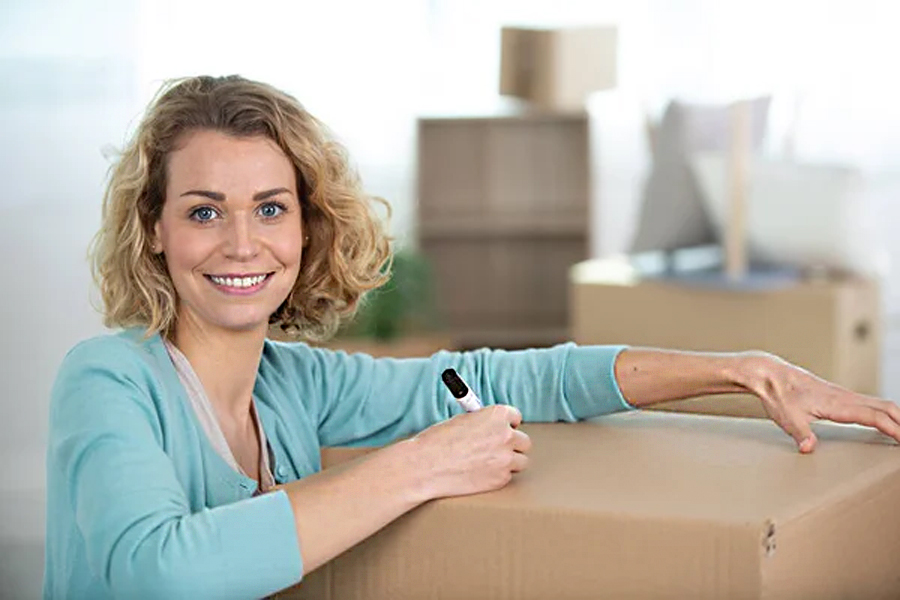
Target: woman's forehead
243, 164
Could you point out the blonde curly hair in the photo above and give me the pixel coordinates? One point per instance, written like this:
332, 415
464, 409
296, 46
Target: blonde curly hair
348, 250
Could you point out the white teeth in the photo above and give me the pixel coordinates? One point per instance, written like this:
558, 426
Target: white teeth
238, 282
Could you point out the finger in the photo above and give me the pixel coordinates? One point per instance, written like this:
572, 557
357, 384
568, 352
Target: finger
513, 415
866, 415
893, 410
893, 414
519, 462
802, 433
885, 406
808, 444
520, 441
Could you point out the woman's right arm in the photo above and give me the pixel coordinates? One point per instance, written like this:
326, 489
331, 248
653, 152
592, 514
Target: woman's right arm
112, 481
470, 453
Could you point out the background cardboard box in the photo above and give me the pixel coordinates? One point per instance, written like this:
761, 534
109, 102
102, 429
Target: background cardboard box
830, 326
649, 505
555, 69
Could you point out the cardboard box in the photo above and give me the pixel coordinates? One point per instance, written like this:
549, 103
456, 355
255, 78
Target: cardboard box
830, 326
649, 505
555, 69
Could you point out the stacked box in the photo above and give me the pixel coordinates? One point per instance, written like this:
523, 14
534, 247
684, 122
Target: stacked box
556, 69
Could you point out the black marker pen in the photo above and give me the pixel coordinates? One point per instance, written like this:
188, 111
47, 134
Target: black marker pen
462, 392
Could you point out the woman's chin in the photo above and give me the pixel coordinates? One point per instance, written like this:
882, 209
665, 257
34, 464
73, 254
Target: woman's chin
245, 324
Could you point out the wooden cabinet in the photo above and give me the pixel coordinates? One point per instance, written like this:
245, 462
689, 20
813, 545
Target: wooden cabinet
503, 214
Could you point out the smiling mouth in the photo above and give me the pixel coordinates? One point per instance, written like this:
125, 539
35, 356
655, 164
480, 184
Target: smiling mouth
245, 282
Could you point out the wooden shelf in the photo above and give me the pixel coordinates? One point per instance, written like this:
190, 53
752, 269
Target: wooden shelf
527, 115
511, 338
492, 171
470, 228
503, 214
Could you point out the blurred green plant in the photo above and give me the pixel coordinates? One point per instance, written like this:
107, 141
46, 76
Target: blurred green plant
405, 305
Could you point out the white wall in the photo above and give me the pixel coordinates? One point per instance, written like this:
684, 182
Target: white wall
68, 90
355, 65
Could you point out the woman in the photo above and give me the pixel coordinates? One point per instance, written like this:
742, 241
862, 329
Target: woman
184, 450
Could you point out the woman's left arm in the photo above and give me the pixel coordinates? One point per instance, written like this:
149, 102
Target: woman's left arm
791, 396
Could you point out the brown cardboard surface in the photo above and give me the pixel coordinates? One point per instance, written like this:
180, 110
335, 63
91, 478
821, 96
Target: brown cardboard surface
555, 69
650, 505
831, 327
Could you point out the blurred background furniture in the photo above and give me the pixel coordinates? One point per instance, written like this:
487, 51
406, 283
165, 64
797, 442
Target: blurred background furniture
504, 199
503, 213
673, 213
399, 319
555, 69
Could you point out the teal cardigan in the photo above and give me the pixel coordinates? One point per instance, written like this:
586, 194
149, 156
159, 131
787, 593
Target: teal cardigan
139, 504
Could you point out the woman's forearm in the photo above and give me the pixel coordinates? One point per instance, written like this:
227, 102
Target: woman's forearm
648, 376
340, 507
467, 454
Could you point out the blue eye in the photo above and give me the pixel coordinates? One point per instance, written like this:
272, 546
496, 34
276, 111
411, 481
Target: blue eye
270, 210
203, 214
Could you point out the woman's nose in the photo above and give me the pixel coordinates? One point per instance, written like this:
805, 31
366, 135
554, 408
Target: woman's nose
241, 240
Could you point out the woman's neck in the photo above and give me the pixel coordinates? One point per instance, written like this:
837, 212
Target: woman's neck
226, 362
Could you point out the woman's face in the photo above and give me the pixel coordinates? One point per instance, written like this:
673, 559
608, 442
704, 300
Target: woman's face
231, 230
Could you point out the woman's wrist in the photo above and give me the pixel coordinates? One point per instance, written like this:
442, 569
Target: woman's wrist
415, 475
755, 372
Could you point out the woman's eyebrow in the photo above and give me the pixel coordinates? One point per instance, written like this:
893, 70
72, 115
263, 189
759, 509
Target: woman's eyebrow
206, 194
220, 197
269, 193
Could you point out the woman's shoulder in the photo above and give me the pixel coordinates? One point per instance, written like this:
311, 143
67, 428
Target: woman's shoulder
310, 364
280, 353
121, 346
308, 354
124, 352
114, 380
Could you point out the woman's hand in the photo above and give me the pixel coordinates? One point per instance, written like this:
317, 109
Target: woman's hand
340, 506
794, 398
472, 452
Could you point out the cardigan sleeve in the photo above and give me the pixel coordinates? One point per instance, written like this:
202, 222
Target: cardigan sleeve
142, 540
361, 400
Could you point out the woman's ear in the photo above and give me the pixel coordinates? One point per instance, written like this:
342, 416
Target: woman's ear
155, 243
305, 235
